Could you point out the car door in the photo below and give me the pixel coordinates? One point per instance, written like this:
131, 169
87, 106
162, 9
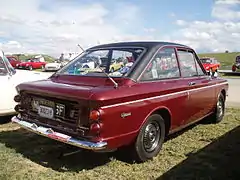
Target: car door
162, 76
200, 93
38, 64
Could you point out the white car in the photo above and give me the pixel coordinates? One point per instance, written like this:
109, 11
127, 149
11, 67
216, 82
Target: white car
55, 66
10, 78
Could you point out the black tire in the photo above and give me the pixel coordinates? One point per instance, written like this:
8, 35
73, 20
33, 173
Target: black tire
30, 68
86, 66
219, 110
150, 139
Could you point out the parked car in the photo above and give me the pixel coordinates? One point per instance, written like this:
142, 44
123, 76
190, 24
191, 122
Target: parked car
211, 65
115, 64
236, 65
54, 66
13, 61
164, 90
10, 78
32, 63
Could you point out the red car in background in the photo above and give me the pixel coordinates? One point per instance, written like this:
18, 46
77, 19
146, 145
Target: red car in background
13, 61
236, 65
211, 65
30, 64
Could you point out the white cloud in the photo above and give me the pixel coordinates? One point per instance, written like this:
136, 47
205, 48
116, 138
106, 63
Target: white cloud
224, 10
32, 27
212, 36
228, 2
62, 27
172, 14
149, 30
181, 22
217, 35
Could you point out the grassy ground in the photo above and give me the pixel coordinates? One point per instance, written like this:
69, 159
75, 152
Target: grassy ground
226, 59
228, 76
203, 151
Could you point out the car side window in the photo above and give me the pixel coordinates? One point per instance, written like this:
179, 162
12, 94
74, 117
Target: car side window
187, 63
164, 65
199, 69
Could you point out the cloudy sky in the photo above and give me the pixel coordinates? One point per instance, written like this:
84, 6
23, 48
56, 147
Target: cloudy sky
55, 26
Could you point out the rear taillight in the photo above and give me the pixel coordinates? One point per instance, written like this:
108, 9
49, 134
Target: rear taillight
95, 128
95, 124
94, 115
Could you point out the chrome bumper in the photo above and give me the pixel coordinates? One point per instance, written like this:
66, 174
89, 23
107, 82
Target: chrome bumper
48, 132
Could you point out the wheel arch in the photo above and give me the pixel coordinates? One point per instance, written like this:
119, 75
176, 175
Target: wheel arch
166, 115
223, 92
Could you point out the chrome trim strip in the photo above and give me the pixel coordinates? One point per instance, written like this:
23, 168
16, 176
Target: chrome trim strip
161, 96
48, 132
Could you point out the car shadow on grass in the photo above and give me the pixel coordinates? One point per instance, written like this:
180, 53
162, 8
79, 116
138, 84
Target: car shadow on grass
47, 152
219, 160
5, 119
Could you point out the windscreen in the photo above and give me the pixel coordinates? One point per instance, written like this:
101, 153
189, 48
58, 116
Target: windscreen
205, 60
114, 62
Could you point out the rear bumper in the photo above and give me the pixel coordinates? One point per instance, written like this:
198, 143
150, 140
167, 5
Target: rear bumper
47, 132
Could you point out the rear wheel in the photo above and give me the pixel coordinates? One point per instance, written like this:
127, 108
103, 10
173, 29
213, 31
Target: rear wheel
86, 66
219, 110
30, 68
150, 139
42, 68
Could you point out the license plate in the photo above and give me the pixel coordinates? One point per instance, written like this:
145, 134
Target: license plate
46, 112
60, 136
60, 110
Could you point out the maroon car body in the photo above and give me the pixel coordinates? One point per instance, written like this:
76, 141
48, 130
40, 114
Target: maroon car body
165, 90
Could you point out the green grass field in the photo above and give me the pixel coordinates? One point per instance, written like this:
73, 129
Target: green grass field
226, 59
203, 151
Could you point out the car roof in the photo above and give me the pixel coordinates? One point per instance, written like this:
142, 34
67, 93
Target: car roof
145, 44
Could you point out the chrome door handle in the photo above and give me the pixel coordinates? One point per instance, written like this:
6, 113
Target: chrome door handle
192, 83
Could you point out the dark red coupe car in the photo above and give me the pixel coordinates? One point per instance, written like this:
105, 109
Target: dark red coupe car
164, 89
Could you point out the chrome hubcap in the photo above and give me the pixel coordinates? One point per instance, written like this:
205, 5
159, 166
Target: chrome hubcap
220, 108
151, 136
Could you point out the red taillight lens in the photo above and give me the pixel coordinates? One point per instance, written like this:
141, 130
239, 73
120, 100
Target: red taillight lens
95, 128
95, 115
